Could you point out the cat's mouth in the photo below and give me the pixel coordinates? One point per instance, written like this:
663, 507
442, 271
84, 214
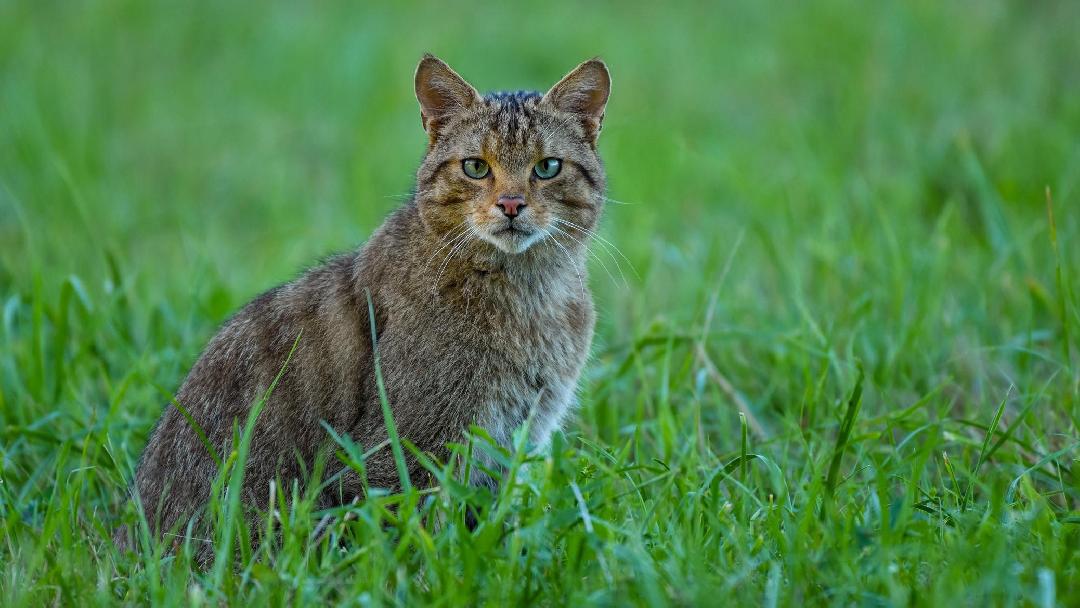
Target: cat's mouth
512, 229
513, 237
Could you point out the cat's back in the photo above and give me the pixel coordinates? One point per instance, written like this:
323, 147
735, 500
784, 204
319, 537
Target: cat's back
312, 323
308, 335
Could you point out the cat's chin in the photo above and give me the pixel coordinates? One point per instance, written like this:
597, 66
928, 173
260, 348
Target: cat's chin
512, 240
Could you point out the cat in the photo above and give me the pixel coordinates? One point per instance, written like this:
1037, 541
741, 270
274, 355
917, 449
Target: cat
481, 305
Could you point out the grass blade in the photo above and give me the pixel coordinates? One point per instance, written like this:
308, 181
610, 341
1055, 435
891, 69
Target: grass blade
842, 437
388, 416
223, 558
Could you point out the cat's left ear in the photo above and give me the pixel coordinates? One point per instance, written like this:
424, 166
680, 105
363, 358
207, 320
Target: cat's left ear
441, 93
584, 92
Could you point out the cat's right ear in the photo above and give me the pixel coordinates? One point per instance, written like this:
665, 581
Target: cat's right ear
441, 93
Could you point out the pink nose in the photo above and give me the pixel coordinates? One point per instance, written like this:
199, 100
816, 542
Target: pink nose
510, 204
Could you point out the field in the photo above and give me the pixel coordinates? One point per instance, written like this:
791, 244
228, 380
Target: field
839, 364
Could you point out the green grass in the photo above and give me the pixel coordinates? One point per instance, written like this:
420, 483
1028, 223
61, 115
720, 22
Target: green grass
846, 371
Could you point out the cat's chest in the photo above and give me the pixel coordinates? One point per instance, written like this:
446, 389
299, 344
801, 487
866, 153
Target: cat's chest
490, 365
491, 347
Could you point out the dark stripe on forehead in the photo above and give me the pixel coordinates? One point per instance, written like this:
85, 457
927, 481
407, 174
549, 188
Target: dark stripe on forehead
517, 98
511, 114
434, 173
585, 173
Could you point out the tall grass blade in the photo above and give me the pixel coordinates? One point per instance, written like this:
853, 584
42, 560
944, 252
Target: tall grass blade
388, 416
853, 404
233, 509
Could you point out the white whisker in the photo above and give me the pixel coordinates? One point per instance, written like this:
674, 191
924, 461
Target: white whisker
605, 244
594, 256
469, 237
569, 258
447, 241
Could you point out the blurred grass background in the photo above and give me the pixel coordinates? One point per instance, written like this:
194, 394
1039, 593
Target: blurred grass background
856, 183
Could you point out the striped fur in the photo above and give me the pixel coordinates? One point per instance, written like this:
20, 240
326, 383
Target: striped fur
476, 325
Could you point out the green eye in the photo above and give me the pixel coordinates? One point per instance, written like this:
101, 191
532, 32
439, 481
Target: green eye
475, 168
547, 168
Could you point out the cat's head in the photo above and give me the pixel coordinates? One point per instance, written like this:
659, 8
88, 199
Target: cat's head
515, 169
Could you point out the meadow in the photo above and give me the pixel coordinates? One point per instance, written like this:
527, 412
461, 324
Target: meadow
838, 364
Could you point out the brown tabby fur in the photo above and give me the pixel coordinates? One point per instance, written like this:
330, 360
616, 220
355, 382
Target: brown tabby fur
474, 326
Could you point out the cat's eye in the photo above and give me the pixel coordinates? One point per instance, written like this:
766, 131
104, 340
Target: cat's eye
547, 168
475, 168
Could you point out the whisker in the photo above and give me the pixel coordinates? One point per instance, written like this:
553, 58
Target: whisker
600, 239
611, 200
569, 258
446, 240
469, 237
597, 257
461, 241
456, 230
594, 256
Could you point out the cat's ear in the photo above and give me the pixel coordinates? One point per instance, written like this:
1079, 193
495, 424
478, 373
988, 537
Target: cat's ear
584, 92
441, 93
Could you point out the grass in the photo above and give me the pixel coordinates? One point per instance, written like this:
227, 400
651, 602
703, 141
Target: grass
845, 371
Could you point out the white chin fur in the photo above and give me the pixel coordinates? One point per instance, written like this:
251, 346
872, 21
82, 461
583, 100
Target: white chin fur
513, 242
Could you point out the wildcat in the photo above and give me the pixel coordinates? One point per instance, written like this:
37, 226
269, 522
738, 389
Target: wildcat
481, 307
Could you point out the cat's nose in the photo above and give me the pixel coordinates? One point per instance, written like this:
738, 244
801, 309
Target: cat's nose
511, 204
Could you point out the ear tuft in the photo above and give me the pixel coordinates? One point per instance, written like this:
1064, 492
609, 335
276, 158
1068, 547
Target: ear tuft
441, 93
584, 92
